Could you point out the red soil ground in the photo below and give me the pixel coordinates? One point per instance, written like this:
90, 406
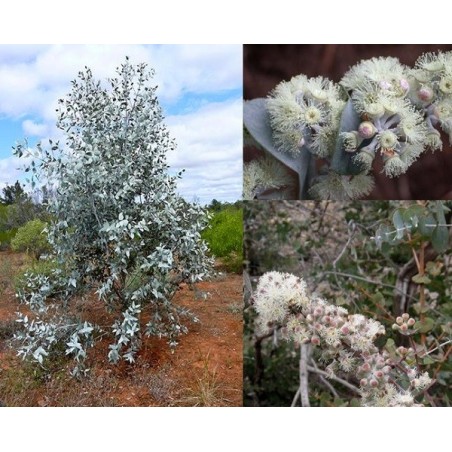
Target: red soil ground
204, 370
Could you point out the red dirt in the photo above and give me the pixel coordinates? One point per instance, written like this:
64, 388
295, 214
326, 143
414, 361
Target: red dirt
204, 370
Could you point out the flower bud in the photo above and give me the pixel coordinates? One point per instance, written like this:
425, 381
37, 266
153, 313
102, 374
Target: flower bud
425, 94
318, 311
363, 382
315, 340
365, 367
395, 326
374, 383
367, 129
404, 84
405, 316
379, 374
404, 327
399, 320
386, 369
345, 330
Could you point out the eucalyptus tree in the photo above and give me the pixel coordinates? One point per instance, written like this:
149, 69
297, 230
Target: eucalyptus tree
120, 227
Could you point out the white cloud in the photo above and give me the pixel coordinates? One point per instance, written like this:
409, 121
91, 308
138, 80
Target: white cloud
11, 169
31, 86
32, 78
209, 147
32, 128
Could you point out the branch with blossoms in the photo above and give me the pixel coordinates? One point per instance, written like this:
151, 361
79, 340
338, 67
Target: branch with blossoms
344, 343
381, 109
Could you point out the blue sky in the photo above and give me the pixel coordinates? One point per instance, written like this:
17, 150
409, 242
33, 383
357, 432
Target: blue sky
200, 90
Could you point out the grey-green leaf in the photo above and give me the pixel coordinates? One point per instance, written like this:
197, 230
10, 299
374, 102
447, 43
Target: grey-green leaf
257, 122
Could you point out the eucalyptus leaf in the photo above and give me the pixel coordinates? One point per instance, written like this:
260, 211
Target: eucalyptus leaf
424, 326
421, 279
399, 224
427, 225
440, 235
257, 123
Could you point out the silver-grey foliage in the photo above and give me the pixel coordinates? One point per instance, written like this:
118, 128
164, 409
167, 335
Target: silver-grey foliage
120, 226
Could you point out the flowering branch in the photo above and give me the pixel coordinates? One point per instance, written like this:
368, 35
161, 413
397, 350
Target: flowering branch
381, 109
345, 342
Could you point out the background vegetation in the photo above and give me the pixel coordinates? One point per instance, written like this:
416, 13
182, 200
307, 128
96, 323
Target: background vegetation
225, 234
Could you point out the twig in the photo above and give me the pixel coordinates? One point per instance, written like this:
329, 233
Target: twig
339, 380
439, 346
338, 258
295, 398
305, 351
326, 382
348, 275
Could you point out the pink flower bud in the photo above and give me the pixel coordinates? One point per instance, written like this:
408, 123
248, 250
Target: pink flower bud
425, 94
404, 84
345, 330
315, 340
327, 319
374, 383
367, 129
405, 316
411, 322
318, 311
380, 363
399, 320
403, 327
363, 382
379, 374
365, 367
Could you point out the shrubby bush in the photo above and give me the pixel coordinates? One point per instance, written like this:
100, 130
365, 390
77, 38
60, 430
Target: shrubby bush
32, 238
225, 236
116, 212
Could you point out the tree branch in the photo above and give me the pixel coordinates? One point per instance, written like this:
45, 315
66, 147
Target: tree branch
305, 352
339, 380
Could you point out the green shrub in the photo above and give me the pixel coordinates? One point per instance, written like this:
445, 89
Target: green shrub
31, 238
225, 237
6, 237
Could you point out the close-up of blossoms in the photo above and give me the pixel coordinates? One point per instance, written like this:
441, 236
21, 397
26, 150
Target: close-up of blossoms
379, 119
345, 344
